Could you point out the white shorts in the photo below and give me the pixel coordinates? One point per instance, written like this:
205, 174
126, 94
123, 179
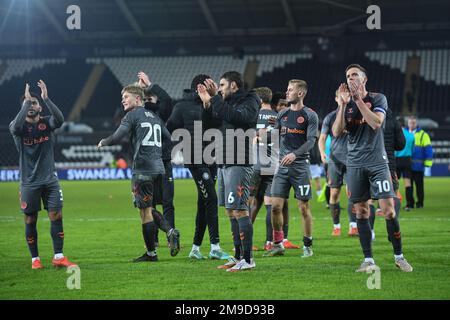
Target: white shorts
316, 171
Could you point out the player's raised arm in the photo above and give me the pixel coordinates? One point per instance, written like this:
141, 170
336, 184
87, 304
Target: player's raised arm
343, 99
15, 127
208, 119
373, 118
165, 103
57, 118
239, 114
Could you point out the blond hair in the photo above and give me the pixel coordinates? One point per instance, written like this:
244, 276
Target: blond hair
301, 84
134, 89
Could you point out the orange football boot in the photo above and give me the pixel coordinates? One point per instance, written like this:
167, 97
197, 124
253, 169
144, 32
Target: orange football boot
289, 245
353, 232
37, 264
336, 232
63, 262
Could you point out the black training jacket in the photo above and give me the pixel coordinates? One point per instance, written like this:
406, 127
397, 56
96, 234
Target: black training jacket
239, 111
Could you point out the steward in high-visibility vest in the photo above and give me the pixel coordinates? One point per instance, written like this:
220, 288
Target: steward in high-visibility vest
422, 155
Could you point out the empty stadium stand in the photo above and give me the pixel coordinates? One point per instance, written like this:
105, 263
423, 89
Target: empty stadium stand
67, 77
64, 81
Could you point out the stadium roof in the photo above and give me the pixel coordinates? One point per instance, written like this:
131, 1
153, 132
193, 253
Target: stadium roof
103, 21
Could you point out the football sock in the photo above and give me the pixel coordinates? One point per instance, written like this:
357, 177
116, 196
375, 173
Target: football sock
278, 236
246, 236
350, 212
365, 237
269, 229
397, 206
307, 241
285, 211
335, 209
57, 233
372, 216
160, 221
286, 230
394, 234
236, 238
327, 194
409, 197
32, 239
148, 232
58, 256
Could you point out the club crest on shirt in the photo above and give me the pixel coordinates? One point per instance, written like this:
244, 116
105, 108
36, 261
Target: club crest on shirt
300, 120
350, 110
42, 126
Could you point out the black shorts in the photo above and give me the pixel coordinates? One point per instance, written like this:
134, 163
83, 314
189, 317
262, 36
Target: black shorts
142, 187
260, 185
50, 193
403, 167
158, 187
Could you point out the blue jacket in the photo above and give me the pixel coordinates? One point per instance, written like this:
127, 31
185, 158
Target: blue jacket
407, 151
423, 152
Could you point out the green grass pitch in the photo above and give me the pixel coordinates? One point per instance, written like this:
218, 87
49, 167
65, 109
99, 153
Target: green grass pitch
103, 233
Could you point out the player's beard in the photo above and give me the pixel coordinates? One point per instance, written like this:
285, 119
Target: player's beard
33, 114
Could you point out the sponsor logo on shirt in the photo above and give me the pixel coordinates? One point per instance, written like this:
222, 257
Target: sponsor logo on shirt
32, 141
356, 122
295, 131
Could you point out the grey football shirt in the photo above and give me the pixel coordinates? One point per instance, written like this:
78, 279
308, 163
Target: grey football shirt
365, 145
338, 147
296, 129
263, 123
146, 132
35, 143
